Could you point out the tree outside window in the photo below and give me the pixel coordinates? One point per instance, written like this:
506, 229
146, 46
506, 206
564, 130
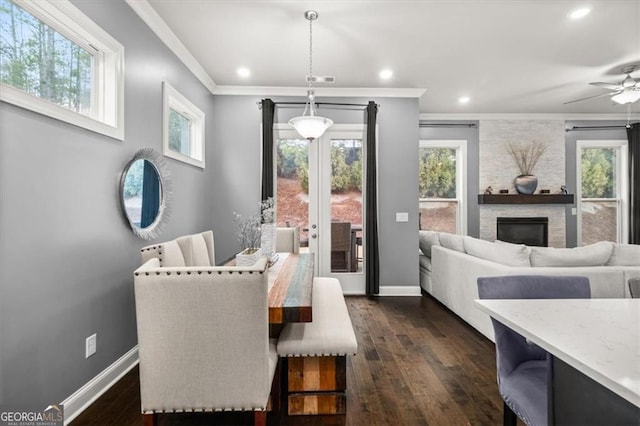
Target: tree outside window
40, 61
437, 189
600, 204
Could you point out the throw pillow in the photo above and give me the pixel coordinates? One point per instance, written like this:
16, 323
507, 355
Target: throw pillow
592, 255
426, 239
504, 253
200, 253
625, 255
171, 255
452, 241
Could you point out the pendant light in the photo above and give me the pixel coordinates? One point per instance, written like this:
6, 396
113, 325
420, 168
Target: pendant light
309, 125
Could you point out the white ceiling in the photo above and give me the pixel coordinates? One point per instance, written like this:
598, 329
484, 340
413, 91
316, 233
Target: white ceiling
515, 56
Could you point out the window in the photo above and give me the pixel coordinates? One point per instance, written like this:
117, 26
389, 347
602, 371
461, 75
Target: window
441, 181
57, 62
602, 191
183, 128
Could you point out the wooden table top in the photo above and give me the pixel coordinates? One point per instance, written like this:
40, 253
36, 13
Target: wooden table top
290, 285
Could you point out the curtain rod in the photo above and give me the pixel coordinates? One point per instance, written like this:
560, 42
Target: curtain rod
293, 104
447, 125
578, 128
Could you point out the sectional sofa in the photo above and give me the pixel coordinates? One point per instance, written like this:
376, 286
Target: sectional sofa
451, 264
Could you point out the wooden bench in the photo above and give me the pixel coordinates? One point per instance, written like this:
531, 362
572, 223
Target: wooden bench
316, 352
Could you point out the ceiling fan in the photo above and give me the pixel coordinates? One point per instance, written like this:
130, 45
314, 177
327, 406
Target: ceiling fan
625, 92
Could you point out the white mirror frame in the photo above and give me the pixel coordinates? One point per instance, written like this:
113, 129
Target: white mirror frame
152, 231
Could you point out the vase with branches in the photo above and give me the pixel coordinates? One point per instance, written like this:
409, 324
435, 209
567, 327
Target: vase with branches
526, 157
256, 234
268, 228
248, 230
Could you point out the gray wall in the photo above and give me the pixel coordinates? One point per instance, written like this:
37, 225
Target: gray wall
471, 135
236, 180
570, 158
66, 253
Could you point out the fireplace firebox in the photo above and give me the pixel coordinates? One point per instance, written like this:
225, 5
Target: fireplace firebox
532, 231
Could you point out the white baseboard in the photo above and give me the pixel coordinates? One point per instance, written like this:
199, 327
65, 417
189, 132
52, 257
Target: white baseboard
391, 290
92, 390
386, 290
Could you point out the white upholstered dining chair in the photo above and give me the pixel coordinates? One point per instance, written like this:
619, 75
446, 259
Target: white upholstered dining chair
203, 335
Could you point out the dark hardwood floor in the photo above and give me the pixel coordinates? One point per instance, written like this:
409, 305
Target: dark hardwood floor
417, 364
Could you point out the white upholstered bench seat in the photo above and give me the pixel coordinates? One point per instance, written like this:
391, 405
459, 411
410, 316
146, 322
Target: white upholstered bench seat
329, 334
316, 353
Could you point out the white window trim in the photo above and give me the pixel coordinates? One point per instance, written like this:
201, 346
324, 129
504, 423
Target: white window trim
622, 185
461, 178
172, 99
108, 92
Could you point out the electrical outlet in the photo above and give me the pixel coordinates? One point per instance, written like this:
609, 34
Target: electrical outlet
402, 217
574, 211
90, 345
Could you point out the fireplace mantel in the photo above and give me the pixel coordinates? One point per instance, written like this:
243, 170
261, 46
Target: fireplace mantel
525, 199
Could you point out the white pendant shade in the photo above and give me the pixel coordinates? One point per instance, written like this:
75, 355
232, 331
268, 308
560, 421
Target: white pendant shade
626, 97
310, 127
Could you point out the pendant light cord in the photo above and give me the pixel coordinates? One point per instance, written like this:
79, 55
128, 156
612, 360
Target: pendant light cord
310, 53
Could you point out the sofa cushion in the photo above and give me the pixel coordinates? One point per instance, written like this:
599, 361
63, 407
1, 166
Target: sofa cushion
452, 241
425, 262
426, 239
625, 255
503, 253
592, 255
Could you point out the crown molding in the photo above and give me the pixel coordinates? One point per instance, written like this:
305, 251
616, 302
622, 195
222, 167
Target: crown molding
382, 92
525, 116
169, 38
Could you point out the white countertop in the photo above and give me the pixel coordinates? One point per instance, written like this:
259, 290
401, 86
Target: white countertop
598, 337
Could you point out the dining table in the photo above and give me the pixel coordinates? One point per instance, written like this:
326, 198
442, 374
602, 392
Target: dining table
290, 288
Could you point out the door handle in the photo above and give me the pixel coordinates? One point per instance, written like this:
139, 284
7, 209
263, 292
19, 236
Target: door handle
314, 236
314, 226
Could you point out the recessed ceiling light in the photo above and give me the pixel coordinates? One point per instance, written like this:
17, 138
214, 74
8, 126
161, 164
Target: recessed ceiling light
464, 99
244, 72
386, 74
579, 13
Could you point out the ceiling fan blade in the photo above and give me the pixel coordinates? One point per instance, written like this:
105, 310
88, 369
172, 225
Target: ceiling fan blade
609, 86
593, 97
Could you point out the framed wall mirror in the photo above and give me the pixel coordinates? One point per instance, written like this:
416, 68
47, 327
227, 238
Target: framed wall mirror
145, 192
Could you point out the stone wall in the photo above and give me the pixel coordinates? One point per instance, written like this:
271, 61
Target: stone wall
498, 170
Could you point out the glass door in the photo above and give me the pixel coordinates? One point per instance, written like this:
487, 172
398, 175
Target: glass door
319, 189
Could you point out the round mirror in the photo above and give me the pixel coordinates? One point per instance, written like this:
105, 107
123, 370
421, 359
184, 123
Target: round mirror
143, 193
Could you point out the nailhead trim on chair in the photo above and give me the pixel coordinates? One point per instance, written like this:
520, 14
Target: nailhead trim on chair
316, 355
202, 410
517, 413
200, 272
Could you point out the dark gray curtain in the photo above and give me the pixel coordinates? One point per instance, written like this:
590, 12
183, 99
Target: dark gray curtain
150, 195
633, 135
268, 112
371, 254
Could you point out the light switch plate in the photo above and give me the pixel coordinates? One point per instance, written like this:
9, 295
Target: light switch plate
90, 345
574, 211
402, 217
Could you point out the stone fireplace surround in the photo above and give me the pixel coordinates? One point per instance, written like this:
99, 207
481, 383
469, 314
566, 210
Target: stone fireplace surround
497, 169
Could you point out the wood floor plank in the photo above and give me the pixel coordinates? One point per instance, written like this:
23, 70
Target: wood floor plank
417, 364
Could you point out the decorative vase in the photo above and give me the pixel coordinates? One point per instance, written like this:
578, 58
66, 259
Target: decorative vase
248, 256
268, 239
526, 184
